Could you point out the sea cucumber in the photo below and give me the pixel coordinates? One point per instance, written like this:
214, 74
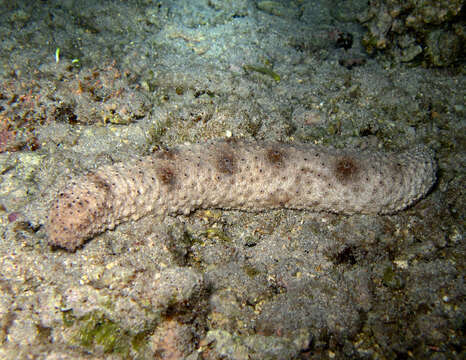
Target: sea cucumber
242, 175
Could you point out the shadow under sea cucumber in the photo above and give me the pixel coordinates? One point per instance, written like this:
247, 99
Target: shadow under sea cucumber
241, 175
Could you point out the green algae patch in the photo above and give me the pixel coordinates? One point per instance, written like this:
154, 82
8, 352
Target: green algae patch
277, 9
139, 341
251, 271
262, 70
391, 279
99, 330
215, 233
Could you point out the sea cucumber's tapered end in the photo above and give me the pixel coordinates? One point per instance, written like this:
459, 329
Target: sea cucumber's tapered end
420, 172
78, 213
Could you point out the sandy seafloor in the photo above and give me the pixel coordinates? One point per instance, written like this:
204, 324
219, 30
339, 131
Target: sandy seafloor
134, 76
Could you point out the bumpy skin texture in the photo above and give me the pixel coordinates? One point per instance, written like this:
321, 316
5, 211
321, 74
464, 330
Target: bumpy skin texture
239, 175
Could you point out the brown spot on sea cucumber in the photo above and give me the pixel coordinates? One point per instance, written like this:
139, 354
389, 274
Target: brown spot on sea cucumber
275, 156
346, 169
166, 174
225, 161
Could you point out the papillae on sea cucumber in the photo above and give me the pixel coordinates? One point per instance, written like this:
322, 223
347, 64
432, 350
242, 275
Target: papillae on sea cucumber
239, 175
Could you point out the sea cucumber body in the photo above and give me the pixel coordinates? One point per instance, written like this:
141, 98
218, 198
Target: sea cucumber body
239, 175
